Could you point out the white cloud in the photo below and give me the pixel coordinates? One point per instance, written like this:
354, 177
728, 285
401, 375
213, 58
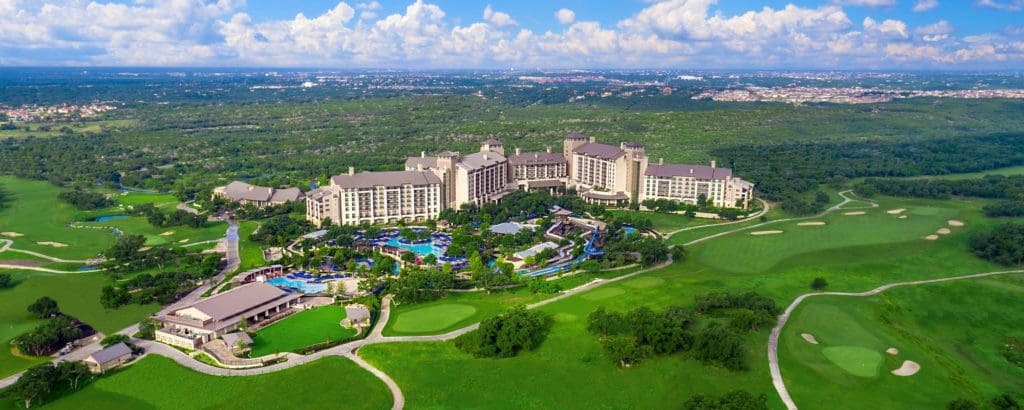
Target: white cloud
866, 3
925, 5
669, 33
498, 18
1008, 5
565, 16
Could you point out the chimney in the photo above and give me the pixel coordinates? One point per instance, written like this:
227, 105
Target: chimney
518, 151
593, 140
691, 170
547, 148
713, 164
351, 170
419, 167
423, 154
485, 157
661, 161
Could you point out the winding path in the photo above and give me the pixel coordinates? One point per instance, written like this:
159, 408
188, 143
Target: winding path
773, 340
7, 247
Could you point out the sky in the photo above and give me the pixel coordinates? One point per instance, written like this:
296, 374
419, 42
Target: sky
521, 34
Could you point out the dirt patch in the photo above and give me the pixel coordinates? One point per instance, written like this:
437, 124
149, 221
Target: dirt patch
53, 244
909, 368
893, 351
759, 233
954, 222
11, 234
809, 338
932, 237
17, 353
854, 213
896, 211
168, 233
815, 223
943, 231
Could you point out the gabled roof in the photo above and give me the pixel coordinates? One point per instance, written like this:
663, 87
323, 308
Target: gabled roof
241, 191
386, 178
426, 162
536, 158
238, 300
232, 339
575, 136
286, 195
603, 151
111, 353
684, 170
492, 141
479, 160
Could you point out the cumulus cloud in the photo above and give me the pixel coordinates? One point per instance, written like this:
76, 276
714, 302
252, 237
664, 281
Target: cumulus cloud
498, 18
565, 16
925, 5
669, 33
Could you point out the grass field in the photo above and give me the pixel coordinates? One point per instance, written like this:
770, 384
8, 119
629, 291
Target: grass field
172, 235
76, 294
972, 175
950, 329
36, 213
302, 329
249, 252
159, 383
456, 310
571, 359
665, 222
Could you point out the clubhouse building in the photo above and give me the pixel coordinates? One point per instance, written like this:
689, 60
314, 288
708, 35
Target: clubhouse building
601, 173
257, 196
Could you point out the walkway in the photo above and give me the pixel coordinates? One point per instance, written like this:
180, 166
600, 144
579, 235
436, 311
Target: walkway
773, 340
765, 207
7, 247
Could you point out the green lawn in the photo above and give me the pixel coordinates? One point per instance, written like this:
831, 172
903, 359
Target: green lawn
570, 371
159, 383
456, 310
37, 214
302, 329
172, 235
1000, 171
249, 251
76, 294
665, 222
951, 329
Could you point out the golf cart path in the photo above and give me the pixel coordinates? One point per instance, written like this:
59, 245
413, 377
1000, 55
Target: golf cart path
773, 339
765, 207
7, 247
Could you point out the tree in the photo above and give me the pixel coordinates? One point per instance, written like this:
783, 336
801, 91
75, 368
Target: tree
1003, 245
962, 404
5, 280
115, 339
819, 284
44, 307
716, 344
34, 383
625, 350
430, 259
1005, 402
125, 248
507, 334
734, 400
73, 372
408, 257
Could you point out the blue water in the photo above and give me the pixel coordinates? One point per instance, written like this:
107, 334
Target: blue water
86, 268
629, 231
108, 218
298, 284
422, 249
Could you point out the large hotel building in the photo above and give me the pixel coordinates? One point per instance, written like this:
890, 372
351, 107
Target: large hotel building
600, 173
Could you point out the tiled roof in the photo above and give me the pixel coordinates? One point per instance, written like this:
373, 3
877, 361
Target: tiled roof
386, 178
479, 160
603, 151
536, 158
111, 352
575, 136
684, 170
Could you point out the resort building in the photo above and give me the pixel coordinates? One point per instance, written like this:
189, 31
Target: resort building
689, 183
258, 196
212, 317
377, 198
477, 178
539, 170
603, 173
108, 358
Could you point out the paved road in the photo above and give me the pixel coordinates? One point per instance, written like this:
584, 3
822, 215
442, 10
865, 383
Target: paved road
773, 340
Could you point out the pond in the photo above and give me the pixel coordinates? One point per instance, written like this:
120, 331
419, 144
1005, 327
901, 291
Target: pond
108, 218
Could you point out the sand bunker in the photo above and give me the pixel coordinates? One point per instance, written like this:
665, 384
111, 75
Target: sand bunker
943, 231
53, 244
183, 240
932, 237
816, 223
893, 351
809, 338
954, 222
908, 368
896, 211
11, 234
903, 217
168, 233
759, 233
145, 248
854, 213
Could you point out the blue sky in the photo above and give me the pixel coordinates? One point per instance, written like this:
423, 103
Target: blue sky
826, 34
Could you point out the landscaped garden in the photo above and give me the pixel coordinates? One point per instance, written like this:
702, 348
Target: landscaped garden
302, 329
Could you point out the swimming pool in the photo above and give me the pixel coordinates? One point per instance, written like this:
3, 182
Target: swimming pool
298, 284
420, 249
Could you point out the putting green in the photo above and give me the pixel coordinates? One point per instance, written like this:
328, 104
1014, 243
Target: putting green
858, 361
644, 282
432, 318
563, 317
603, 293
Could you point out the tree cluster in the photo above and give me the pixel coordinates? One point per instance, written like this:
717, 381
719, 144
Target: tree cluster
507, 334
1003, 245
47, 381
281, 229
52, 335
417, 285
86, 200
734, 400
630, 337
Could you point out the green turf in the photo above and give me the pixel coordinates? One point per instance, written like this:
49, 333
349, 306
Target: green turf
76, 294
250, 252
951, 329
36, 213
159, 383
1000, 171
172, 235
569, 370
432, 318
856, 360
302, 329
666, 222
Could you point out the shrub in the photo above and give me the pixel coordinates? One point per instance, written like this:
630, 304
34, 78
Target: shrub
507, 334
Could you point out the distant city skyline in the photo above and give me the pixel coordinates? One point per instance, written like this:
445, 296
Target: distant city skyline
527, 34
